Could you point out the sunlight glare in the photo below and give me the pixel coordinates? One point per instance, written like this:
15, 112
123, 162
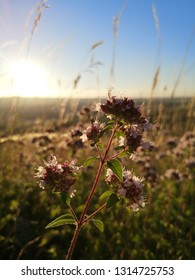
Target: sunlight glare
28, 79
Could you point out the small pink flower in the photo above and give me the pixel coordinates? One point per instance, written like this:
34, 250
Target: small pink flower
58, 177
93, 132
131, 188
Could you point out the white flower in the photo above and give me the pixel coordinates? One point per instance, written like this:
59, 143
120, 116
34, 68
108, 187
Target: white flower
84, 136
138, 182
122, 141
127, 174
59, 168
142, 204
72, 191
53, 162
99, 126
110, 117
133, 157
109, 175
74, 166
98, 107
134, 207
42, 184
41, 172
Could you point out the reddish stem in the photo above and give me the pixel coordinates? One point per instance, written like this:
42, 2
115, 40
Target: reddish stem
73, 213
73, 242
82, 219
114, 156
94, 213
92, 191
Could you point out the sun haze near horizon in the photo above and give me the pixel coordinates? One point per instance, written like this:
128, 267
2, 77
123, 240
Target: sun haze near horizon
80, 48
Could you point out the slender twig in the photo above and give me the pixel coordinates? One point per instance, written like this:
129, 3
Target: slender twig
94, 213
73, 213
115, 156
110, 141
98, 150
101, 164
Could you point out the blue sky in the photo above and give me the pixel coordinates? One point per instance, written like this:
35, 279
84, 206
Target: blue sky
68, 29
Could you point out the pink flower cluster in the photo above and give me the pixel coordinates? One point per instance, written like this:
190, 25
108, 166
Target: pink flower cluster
57, 177
131, 188
133, 137
93, 132
123, 109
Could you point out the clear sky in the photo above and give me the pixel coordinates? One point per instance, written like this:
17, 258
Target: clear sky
151, 34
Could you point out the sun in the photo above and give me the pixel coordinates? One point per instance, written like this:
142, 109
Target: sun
28, 79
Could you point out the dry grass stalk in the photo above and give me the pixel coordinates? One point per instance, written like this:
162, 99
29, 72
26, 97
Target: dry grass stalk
158, 52
156, 21
155, 79
41, 7
183, 63
158, 58
95, 45
116, 21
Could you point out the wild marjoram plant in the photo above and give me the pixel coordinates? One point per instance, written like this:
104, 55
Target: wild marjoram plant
125, 126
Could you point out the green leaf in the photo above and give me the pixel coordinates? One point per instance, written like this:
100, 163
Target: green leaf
65, 198
89, 161
108, 127
123, 154
113, 199
119, 148
100, 145
105, 195
116, 167
110, 122
99, 224
119, 133
61, 220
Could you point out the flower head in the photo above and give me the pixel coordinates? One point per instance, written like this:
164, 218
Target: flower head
57, 177
93, 132
124, 109
133, 137
131, 188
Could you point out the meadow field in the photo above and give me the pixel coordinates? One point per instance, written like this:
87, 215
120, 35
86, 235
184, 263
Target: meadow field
56, 61
32, 130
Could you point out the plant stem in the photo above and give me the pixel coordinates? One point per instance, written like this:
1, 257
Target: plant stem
73, 242
110, 142
82, 220
114, 156
94, 213
101, 164
73, 213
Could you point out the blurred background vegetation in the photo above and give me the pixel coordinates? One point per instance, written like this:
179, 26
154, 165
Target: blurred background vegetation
33, 130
